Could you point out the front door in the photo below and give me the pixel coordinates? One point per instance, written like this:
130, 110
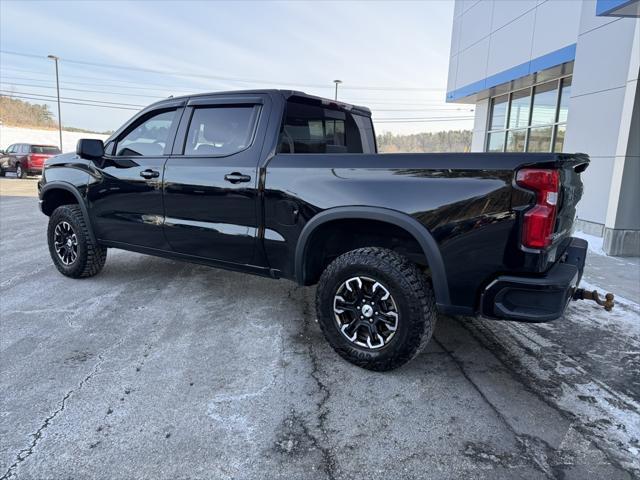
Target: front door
210, 181
126, 195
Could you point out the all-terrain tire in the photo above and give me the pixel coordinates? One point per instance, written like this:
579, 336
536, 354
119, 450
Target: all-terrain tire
90, 257
411, 291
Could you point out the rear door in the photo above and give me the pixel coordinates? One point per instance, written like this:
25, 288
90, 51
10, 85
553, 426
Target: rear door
126, 197
211, 183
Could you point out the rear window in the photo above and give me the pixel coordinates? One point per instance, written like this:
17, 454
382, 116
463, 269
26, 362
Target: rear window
316, 129
45, 149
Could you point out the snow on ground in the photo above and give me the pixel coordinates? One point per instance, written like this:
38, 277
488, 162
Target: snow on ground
625, 312
595, 243
586, 365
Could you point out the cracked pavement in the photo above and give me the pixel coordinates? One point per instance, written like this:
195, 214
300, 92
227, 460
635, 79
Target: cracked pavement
158, 369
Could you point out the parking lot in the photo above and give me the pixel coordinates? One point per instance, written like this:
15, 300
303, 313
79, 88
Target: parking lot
158, 369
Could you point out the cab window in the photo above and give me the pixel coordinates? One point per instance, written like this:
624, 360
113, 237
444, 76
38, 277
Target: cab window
221, 130
149, 137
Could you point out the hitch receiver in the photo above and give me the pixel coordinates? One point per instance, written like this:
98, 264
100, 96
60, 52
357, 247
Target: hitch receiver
582, 294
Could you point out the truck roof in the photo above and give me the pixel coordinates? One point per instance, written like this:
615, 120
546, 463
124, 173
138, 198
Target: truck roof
285, 93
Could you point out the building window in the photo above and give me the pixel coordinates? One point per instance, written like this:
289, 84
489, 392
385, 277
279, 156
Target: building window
530, 120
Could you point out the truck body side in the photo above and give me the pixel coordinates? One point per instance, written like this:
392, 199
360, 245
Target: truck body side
458, 216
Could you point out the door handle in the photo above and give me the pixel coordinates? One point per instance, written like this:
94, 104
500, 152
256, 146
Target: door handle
236, 177
148, 173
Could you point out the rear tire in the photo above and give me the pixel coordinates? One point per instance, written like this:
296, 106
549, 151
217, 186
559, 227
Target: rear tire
73, 252
2, 172
20, 172
351, 292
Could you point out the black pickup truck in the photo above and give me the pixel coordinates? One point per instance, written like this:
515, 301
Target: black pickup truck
288, 185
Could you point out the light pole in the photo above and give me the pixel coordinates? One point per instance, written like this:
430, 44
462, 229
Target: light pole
337, 82
55, 59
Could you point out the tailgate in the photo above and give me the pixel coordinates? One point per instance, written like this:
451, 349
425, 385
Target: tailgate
570, 192
37, 160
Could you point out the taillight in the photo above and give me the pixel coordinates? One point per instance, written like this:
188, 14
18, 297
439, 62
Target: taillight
539, 222
29, 160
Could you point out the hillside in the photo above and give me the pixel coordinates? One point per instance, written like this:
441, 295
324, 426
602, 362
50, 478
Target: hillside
18, 113
445, 141
24, 114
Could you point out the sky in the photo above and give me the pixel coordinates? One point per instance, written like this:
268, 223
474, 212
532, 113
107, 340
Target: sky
120, 56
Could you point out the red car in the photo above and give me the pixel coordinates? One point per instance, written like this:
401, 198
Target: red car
26, 158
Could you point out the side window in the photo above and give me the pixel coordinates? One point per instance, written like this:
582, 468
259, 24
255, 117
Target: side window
149, 137
10, 148
221, 130
315, 129
22, 148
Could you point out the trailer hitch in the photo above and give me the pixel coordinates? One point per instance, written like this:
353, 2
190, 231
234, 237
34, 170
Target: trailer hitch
582, 294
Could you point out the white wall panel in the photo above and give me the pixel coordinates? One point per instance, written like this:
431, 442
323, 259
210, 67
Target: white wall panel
467, 4
506, 11
477, 141
476, 23
596, 180
457, 8
557, 24
603, 57
511, 45
479, 126
472, 63
594, 123
453, 71
455, 37
480, 120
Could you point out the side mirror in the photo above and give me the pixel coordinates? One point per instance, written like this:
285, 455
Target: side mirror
90, 149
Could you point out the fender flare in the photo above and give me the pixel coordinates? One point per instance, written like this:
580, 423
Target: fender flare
418, 231
59, 185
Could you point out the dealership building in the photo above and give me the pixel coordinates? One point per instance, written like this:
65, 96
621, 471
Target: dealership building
559, 76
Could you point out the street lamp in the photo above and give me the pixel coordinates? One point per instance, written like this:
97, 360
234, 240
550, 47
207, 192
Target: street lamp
55, 59
337, 82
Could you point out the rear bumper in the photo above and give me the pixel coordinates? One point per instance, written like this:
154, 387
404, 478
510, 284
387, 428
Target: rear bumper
540, 298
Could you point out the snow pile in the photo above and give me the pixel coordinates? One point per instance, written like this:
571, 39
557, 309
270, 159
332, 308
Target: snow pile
11, 135
595, 243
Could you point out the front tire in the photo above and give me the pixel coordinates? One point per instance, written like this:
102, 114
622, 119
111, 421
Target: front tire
73, 252
20, 172
375, 308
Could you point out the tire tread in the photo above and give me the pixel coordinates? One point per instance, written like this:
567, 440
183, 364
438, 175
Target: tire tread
422, 305
94, 256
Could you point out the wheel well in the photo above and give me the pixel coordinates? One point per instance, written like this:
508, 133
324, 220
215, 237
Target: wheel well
54, 198
333, 238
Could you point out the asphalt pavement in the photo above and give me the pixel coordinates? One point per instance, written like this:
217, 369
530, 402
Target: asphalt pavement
156, 369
